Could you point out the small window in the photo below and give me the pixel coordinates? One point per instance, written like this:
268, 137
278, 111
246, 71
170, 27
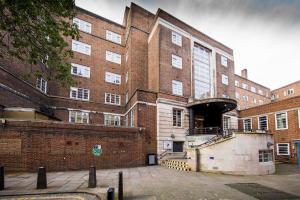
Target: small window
126, 77
112, 120
80, 70
126, 97
81, 47
224, 79
265, 155
177, 117
245, 86
260, 92
254, 100
79, 93
83, 25
78, 117
263, 123
247, 124
253, 89
245, 98
224, 61
176, 61
289, 92
237, 95
177, 88
41, 84
114, 99
237, 84
176, 38
132, 118
126, 55
112, 78
283, 149
281, 121
113, 57
112, 36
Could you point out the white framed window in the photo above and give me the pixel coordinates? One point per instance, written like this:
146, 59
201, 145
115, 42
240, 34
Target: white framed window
283, 149
260, 92
79, 93
245, 86
253, 89
265, 155
177, 117
76, 116
288, 92
254, 100
263, 123
224, 79
126, 55
176, 61
126, 97
126, 77
225, 96
176, 38
248, 124
114, 99
132, 118
236, 83
81, 47
245, 98
260, 101
112, 78
237, 95
113, 57
80, 70
281, 121
112, 36
41, 84
112, 120
224, 61
83, 25
177, 87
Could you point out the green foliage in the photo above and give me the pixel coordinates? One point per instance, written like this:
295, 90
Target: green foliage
35, 31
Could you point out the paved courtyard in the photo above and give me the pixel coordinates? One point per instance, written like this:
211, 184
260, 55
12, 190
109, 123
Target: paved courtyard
156, 182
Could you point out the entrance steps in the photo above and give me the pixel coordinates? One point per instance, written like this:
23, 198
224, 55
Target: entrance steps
178, 164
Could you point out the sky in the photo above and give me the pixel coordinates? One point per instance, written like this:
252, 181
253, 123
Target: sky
264, 34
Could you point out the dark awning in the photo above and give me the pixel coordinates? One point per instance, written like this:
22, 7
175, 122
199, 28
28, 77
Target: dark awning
222, 105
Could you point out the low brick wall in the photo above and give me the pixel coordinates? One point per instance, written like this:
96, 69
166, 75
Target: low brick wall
26, 145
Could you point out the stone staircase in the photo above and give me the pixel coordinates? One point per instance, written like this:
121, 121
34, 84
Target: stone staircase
178, 164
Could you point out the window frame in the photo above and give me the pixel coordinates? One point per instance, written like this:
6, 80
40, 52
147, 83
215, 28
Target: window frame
40, 86
287, 123
76, 98
237, 83
288, 149
245, 125
258, 122
113, 56
177, 119
174, 64
245, 86
110, 116
84, 44
177, 83
82, 112
114, 78
224, 61
113, 36
110, 98
270, 154
177, 41
225, 79
85, 23
83, 67
132, 118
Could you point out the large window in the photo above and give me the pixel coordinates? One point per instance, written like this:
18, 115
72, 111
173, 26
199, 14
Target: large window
78, 116
247, 124
224, 79
176, 61
177, 117
176, 38
114, 37
263, 123
283, 149
114, 99
112, 120
79, 93
202, 74
224, 61
80, 70
83, 25
81, 47
177, 88
226, 123
265, 155
112, 78
281, 120
41, 84
113, 57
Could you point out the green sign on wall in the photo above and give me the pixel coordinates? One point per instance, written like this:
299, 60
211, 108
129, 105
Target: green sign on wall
97, 150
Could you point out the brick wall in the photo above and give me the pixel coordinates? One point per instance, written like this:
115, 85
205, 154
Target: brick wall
26, 145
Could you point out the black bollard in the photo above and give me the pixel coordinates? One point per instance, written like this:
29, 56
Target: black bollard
92, 177
1, 178
110, 194
120, 192
41, 179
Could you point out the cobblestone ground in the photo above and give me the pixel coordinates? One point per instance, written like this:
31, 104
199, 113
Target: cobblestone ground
157, 182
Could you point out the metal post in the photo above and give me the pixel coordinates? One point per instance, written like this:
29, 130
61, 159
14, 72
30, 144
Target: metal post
110, 194
191, 121
1, 178
41, 179
92, 177
120, 192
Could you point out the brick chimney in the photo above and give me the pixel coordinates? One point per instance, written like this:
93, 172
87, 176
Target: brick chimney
244, 73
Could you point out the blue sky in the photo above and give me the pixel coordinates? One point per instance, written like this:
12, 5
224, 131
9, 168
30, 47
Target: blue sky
264, 34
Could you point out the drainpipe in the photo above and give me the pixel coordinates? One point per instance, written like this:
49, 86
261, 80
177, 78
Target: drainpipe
191, 121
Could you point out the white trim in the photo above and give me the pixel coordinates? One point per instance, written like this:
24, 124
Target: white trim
258, 124
277, 152
140, 102
74, 109
271, 113
287, 122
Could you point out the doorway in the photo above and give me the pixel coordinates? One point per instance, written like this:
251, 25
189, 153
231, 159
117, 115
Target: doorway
178, 146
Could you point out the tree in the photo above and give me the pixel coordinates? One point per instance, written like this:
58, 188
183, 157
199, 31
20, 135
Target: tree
34, 31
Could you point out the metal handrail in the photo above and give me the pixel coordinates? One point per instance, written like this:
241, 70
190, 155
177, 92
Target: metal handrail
163, 154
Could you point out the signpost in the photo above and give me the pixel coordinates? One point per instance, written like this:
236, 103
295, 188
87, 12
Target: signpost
97, 150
